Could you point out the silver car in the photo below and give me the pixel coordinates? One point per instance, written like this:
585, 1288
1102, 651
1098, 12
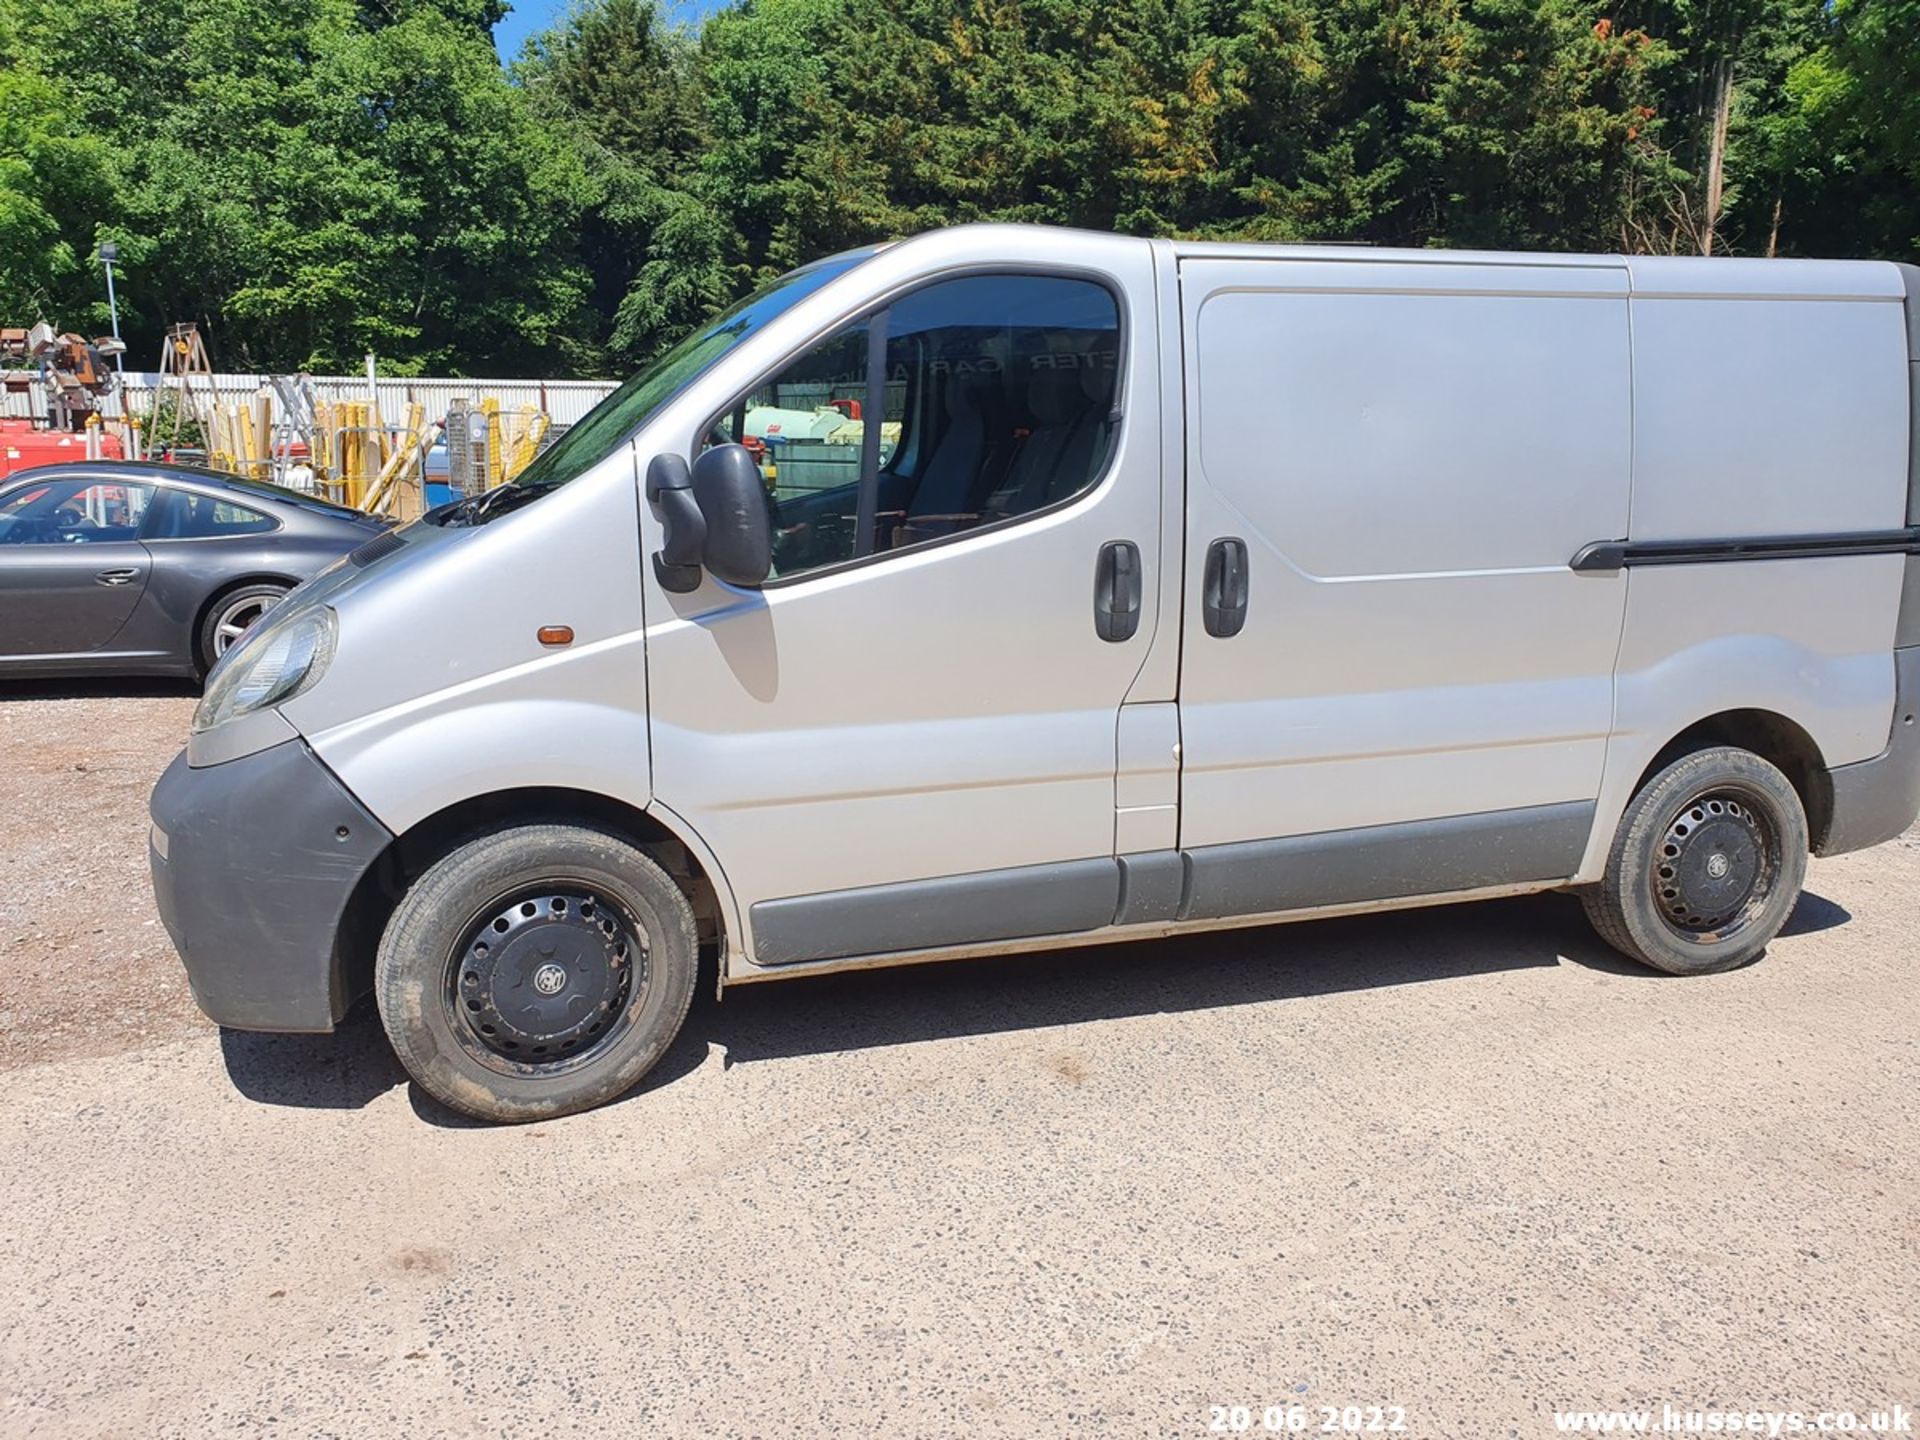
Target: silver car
1011, 588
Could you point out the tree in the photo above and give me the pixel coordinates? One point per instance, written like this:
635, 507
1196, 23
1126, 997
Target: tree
621, 85
55, 193
310, 179
310, 184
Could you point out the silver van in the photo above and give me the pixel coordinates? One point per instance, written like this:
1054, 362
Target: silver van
1010, 588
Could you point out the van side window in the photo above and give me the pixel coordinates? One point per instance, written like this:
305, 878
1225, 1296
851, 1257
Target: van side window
994, 396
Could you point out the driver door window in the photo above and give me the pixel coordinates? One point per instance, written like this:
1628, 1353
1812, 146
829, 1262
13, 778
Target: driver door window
75, 512
995, 396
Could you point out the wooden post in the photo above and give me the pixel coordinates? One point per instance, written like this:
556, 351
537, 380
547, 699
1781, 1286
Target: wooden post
1717, 156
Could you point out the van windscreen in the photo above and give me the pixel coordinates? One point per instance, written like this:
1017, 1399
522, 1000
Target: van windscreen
615, 418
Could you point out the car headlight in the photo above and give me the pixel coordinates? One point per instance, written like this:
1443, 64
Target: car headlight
281, 656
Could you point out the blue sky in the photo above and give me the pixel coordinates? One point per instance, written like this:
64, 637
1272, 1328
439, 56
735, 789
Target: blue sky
531, 16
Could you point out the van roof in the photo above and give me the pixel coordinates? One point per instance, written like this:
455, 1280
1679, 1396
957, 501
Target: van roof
1666, 276
1674, 276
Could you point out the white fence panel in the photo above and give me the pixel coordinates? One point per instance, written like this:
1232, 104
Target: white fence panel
565, 401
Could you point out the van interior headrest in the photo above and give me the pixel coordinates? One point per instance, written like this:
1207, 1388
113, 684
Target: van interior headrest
1054, 397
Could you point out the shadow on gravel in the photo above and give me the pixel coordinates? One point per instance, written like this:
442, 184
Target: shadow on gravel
1813, 914
343, 1071
902, 1006
89, 688
1171, 976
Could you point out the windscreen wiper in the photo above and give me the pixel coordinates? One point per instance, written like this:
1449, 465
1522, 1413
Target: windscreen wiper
502, 498
478, 509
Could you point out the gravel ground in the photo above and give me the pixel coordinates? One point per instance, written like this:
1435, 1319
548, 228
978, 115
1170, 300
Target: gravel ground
1462, 1161
85, 966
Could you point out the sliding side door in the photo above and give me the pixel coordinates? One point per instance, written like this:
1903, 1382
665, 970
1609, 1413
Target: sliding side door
1391, 681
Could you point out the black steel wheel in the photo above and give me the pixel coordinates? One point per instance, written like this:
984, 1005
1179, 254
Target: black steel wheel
536, 971
545, 978
1714, 869
1706, 866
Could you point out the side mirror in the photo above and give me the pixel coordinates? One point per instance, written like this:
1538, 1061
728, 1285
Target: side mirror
715, 514
733, 501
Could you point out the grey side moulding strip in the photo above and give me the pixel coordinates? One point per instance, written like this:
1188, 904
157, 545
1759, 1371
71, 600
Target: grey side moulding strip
1034, 900
1151, 887
1388, 862
1380, 862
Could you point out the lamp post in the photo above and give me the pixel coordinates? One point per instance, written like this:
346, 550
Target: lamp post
108, 253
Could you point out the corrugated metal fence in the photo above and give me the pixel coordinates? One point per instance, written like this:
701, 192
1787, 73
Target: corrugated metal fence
566, 401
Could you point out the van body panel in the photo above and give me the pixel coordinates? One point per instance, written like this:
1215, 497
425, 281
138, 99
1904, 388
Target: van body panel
1159, 677
1147, 786
1810, 640
1774, 416
1780, 417
1875, 800
1120, 934
1755, 278
929, 713
1910, 282
447, 693
1412, 453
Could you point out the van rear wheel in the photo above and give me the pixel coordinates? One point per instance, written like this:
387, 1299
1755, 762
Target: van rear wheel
1706, 866
535, 972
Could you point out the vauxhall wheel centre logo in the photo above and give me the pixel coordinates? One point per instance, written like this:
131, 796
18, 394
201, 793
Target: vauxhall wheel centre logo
550, 979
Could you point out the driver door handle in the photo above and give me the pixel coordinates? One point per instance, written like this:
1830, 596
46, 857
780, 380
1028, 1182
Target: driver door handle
1116, 591
117, 577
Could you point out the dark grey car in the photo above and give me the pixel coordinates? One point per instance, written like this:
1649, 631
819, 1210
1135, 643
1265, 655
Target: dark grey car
142, 569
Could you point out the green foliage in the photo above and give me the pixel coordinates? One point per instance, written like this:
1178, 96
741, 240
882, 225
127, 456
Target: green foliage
312, 179
54, 190
622, 86
1862, 96
311, 186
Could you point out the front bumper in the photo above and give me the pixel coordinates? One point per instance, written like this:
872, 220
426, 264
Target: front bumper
1877, 799
254, 864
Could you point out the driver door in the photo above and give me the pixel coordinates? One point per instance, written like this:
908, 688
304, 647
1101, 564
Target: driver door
906, 739
72, 567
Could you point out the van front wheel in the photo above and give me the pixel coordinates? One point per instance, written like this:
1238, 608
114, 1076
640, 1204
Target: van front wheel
1706, 865
535, 972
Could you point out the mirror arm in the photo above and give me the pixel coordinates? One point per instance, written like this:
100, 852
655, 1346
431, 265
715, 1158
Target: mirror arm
670, 489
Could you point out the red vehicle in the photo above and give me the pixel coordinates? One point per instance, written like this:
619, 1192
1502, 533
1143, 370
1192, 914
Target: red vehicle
23, 445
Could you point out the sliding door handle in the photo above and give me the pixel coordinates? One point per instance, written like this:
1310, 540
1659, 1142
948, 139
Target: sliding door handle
1223, 594
1116, 591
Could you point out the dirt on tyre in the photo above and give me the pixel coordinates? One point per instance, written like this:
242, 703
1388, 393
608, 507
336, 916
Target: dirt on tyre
1706, 865
536, 971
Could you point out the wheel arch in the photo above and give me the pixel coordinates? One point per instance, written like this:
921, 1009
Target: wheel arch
412, 852
219, 593
1775, 738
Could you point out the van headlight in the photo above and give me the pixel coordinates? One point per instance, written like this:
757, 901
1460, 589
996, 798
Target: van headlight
280, 657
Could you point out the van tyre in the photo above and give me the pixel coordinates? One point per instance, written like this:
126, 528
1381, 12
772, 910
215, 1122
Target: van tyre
535, 972
1706, 866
